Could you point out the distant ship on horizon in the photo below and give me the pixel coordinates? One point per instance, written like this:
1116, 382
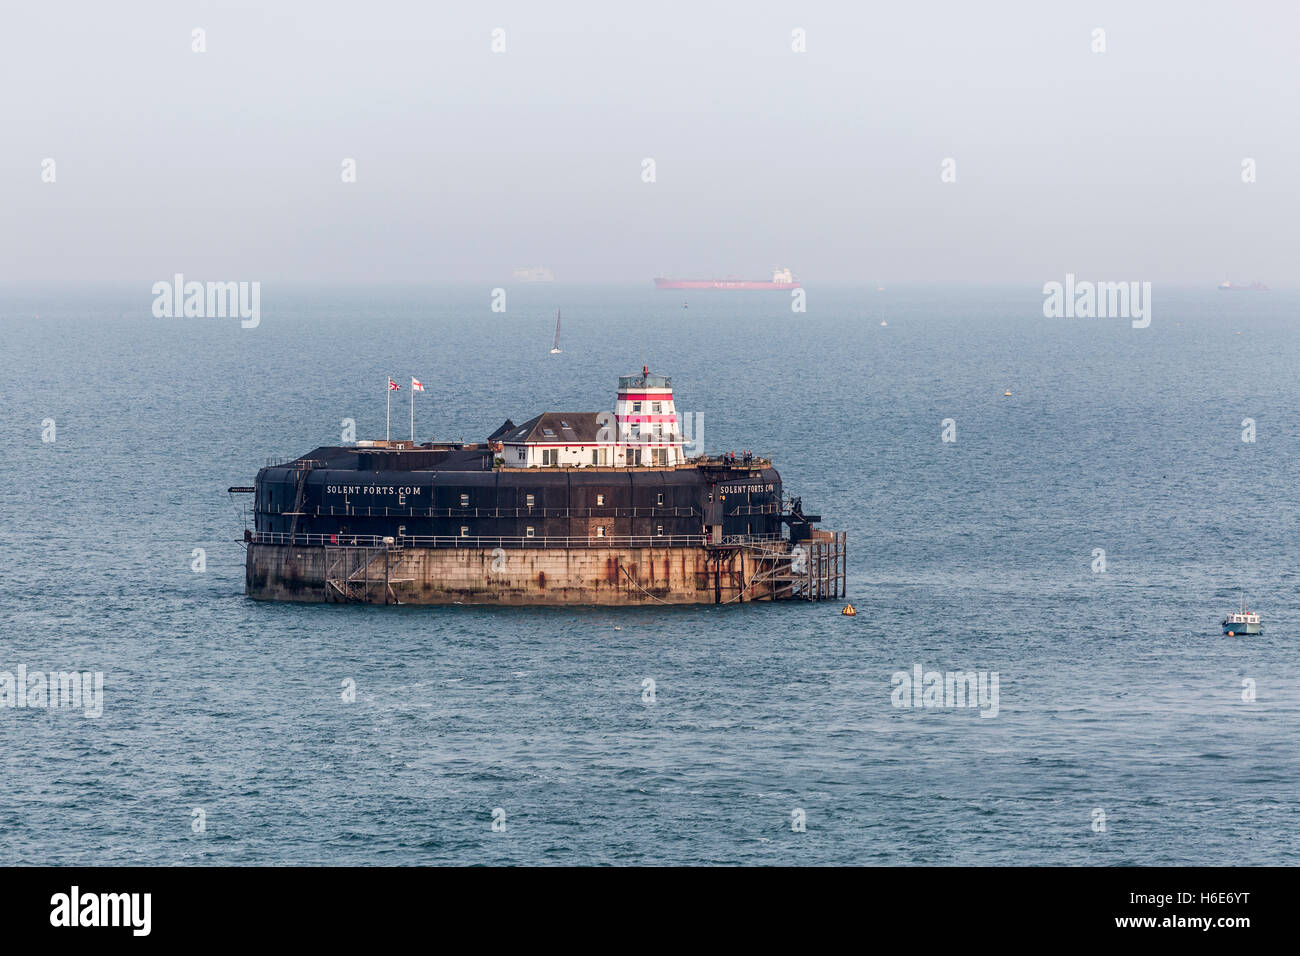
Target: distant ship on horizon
1226, 286
781, 279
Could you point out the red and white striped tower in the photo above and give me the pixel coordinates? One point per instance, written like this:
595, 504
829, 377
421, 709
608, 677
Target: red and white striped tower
648, 430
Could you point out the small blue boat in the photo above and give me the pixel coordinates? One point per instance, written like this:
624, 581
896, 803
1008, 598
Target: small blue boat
1243, 622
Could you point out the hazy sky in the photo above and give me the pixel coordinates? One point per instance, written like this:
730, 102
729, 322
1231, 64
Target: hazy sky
226, 164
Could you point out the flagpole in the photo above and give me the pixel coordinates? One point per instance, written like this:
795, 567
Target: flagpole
388, 418
412, 412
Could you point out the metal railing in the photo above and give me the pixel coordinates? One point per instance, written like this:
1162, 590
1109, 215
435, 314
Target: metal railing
768, 509
298, 463
478, 542
525, 512
752, 538
755, 461
738, 462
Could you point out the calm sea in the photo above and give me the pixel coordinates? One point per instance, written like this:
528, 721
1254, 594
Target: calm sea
1119, 700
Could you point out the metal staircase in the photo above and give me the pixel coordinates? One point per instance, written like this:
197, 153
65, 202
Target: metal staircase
811, 570
361, 575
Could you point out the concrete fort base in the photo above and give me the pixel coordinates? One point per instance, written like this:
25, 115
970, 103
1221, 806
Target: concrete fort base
510, 576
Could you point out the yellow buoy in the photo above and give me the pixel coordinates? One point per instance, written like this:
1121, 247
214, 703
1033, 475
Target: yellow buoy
1007, 393
849, 610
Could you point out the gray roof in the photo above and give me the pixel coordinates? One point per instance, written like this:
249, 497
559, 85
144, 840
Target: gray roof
644, 380
557, 427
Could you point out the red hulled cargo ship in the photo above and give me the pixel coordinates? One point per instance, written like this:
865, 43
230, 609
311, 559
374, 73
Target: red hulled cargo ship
781, 279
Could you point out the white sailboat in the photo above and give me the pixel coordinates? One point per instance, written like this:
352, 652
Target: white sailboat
555, 349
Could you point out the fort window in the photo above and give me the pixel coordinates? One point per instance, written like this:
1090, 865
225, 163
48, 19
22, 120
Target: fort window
529, 532
636, 407
660, 499
600, 531
600, 499
529, 501
659, 530
464, 501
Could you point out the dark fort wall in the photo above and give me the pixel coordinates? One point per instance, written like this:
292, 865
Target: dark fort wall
343, 491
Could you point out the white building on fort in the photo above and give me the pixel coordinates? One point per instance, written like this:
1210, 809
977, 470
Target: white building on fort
643, 431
